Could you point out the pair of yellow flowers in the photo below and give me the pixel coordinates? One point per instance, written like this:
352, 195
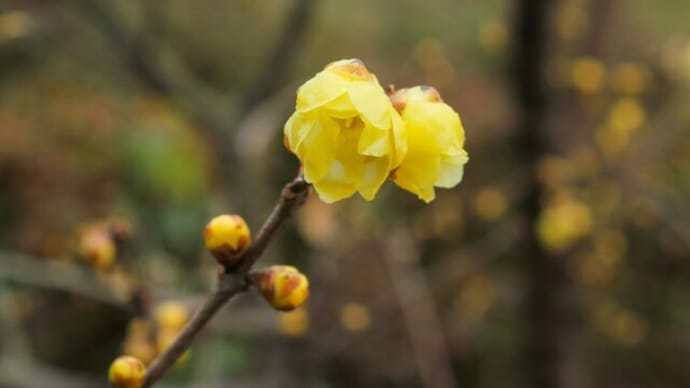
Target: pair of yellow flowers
351, 136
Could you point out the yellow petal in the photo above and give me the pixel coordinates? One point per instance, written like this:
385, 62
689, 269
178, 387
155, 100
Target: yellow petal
333, 187
374, 141
375, 173
326, 86
428, 124
371, 102
399, 139
341, 107
318, 148
296, 129
418, 173
451, 171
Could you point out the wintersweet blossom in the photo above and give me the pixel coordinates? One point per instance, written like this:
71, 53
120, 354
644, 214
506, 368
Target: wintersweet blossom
345, 131
435, 138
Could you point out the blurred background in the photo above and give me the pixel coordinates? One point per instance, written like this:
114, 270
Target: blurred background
562, 260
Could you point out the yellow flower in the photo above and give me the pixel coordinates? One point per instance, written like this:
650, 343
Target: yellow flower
345, 131
435, 155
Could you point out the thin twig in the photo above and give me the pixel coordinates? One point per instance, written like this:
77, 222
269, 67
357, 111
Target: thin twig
231, 281
48, 274
420, 316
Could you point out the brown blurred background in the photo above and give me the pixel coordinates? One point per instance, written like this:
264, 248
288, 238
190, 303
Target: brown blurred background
561, 261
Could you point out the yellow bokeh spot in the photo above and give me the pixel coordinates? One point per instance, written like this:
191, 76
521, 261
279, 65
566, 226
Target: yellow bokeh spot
553, 171
642, 211
432, 57
630, 79
14, 24
140, 348
588, 75
600, 266
317, 222
171, 315
355, 316
623, 327
626, 115
563, 222
493, 36
584, 161
571, 22
605, 195
593, 271
490, 203
477, 297
610, 246
611, 142
294, 323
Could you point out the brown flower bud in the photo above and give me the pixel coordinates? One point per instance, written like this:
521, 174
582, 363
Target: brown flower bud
283, 286
97, 247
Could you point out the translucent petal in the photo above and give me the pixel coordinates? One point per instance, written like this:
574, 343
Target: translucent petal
347, 155
326, 86
330, 192
374, 141
418, 173
399, 139
296, 129
318, 149
430, 125
341, 107
375, 173
451, 171
371, 102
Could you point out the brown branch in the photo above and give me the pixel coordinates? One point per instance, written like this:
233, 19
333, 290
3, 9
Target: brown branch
231, 281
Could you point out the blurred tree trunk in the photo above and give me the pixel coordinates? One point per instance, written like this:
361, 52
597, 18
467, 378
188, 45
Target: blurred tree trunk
548, 306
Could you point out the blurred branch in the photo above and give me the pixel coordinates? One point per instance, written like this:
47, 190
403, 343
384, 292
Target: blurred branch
465, 262
158, 68
271, 78
47, 274
421, 317
231, 281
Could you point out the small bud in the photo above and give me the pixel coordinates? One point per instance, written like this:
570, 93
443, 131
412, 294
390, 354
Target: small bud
127, 372
171, 315
283, 286
97, 247
227, 237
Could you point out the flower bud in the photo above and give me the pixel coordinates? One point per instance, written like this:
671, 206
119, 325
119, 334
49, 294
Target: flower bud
227, 237
283, 286
127, 372
97, 247
171, 315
